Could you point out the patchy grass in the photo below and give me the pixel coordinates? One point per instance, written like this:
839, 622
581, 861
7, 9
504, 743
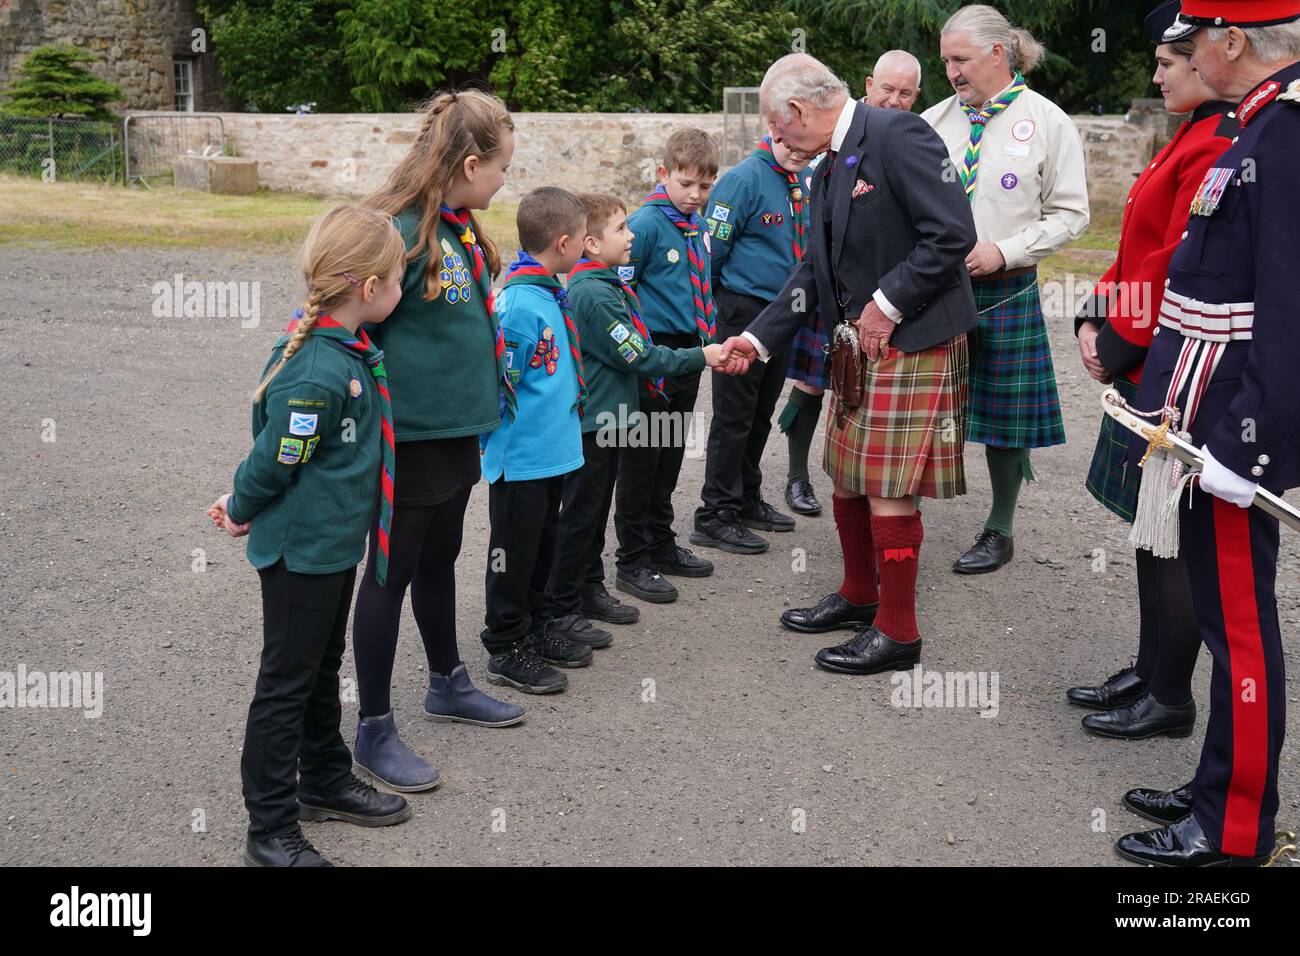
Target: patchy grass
84, 215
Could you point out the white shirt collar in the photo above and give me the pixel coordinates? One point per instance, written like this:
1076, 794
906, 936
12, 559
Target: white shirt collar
843, 123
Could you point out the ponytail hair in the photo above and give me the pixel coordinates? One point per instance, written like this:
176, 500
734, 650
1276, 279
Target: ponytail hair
345, 247
987, 26
457, 125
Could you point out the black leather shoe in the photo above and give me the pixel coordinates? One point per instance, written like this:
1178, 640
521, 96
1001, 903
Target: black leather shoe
555, 647
603, 606
647, 585
355, 802
581, 631
683, 564
831, 613
292, 849
869, 652
1145, 717
1180, 844
1118, 690
725, 532
991, 550
801, 498
1162, 806
761, 516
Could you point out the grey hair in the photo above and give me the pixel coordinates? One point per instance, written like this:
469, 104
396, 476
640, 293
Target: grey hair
798, 76
1281, 41
988, 26
901, 58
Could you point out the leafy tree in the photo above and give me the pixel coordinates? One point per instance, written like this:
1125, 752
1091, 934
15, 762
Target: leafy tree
52, 81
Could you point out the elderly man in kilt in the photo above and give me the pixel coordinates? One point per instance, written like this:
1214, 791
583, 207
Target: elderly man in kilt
885, 266
1020, 160
897, 81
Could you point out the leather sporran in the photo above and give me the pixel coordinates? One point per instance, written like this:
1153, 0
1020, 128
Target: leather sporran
847, 369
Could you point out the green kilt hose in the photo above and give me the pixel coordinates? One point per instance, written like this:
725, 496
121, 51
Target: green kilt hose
1013, 398
1110, 479
907, 437
809, 355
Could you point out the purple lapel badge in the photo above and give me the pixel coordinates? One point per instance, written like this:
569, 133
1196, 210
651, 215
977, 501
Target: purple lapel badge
1009, 181
851, 162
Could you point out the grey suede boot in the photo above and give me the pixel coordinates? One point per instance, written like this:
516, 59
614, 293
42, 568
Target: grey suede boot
380, 754
455, 697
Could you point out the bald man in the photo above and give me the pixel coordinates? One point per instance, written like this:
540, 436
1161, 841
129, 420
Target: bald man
895, 83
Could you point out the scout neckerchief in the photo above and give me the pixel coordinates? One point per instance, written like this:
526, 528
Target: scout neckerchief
360, 343
601, 271
979, 119
764, 152
458, 219
526, 270
690, 228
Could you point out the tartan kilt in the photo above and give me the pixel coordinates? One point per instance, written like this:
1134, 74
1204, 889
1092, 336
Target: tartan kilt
907, 438
808, 356
1013, 397
1110, 478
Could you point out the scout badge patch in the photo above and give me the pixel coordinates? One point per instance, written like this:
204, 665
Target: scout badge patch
547, 352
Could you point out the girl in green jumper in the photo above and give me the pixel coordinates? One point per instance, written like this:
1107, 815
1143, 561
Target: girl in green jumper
321, 457
445, 358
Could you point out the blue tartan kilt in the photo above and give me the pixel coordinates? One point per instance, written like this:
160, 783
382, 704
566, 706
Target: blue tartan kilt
1112, 480
808, 355
1013, 397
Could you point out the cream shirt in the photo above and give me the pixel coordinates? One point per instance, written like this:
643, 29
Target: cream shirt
1031, 194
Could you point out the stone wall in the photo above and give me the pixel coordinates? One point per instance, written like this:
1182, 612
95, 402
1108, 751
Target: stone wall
135, 40
352, 154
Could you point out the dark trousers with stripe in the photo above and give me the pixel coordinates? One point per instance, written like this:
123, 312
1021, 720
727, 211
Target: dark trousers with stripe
293, 723
578, 571
521, 548
647, 476
742, 416
1232, 560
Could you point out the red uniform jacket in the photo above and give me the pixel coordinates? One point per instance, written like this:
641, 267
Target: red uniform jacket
1126, 300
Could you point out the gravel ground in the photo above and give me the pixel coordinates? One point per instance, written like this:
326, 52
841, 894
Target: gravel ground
743, 741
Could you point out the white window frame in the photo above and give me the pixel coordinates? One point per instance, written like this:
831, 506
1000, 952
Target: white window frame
183, 85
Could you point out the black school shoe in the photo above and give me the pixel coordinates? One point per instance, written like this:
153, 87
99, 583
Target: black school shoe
682, 564
646, 584
522, 668
603, 606
291, 849
355, 802
1145, 717
1116, 691
761, 516
724, 531
1182, 844
1160, 806
579, 630
555, 647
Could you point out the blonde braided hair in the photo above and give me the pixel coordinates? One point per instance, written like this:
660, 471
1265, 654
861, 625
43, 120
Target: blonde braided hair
345, 247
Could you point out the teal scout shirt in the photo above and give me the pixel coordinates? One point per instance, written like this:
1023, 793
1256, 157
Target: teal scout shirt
311, 481
660, 272
615, 357
751, 220
441, 353
544, 438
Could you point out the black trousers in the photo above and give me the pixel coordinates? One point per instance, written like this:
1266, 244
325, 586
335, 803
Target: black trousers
647, 476
584, 514
742, 416
525, 516
293, 722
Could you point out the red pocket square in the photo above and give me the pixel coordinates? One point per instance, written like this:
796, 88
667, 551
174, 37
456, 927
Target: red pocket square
861, 187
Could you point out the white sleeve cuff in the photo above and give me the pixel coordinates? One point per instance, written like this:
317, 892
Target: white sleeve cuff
763, 353
887, 307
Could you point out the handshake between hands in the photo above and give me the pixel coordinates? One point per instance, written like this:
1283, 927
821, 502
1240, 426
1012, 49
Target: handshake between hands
732, 357
874, 331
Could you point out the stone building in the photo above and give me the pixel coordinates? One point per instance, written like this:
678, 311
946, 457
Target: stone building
145, 46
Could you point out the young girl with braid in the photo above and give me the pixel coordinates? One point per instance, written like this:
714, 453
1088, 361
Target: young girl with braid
322, 456
446, 358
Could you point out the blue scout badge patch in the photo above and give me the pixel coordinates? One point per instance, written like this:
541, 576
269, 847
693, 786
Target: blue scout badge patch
301, 424
309, 448
619, 333
354, 388
547, 352
453, 276
627, 351
290, 451
721, 212
1210, 192
626, 273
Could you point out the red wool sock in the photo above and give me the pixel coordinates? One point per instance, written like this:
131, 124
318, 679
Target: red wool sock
853, 522
898, 545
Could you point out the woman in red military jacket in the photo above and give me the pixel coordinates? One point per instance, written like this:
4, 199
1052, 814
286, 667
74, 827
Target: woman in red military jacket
1115, 329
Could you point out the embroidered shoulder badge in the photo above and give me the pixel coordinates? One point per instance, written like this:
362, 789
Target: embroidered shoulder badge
290, 451
547, 352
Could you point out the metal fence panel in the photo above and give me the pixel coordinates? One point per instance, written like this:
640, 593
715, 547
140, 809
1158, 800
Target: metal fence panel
60, 149
154, 140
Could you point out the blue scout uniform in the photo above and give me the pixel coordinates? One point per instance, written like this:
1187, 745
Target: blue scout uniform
659, 271
544, 438
1226, 354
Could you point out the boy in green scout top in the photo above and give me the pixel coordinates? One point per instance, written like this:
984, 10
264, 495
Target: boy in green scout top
669, 269
756, 219
621, 363
305, 496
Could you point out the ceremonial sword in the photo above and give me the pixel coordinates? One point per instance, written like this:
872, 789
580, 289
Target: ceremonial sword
1162, 436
